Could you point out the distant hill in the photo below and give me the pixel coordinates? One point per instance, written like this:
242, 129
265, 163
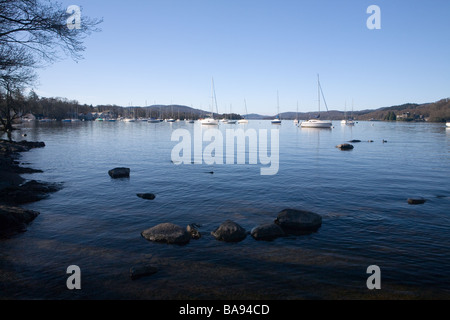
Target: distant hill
434, 112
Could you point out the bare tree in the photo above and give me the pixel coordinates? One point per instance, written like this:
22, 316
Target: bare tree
34, 33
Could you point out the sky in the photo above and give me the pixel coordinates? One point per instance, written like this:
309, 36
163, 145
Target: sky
167, 51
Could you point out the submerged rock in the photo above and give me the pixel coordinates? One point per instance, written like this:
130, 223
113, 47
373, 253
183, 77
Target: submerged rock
229, 231
345, 146
416, 201
142, 270
118, 173
267, 232
167, 233
146, 196
298, 221
14, 219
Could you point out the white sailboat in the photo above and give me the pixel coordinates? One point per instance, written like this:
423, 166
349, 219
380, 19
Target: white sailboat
317, 123
346, 121
244, 121
277, 119
231, 121
210, 121
296, 121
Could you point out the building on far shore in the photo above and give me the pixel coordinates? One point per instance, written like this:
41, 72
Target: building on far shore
29, 117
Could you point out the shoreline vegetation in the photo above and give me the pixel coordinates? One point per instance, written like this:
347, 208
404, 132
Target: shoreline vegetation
35, 108
16, 191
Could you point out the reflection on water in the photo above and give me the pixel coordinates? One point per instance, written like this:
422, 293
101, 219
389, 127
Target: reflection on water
95, 222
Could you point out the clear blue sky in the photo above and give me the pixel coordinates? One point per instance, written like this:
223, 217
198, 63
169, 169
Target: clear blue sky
166, 51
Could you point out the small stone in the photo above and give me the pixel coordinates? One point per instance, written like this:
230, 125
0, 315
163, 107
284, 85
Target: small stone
146, 196
416, 201
345, 146
192, 229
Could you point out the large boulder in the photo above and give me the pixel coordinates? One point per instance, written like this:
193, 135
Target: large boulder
229, 231
14, 219
167, 233
118, 173
298, 221
267, 232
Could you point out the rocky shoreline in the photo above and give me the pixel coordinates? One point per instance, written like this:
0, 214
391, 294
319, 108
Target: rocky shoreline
15, 190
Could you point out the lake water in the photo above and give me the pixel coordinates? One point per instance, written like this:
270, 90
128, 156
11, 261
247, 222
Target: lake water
95, 222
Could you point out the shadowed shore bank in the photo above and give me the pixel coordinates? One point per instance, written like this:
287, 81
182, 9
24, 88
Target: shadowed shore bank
15, 190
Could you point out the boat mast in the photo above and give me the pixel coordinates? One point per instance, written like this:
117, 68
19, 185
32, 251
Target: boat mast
246, 111
318, 88
278, 105
212, 97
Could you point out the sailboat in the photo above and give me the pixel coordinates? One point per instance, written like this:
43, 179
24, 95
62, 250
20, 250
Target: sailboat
346, 121
231, 121
244, 121
296, 121
317, 123
277, 119
210, 121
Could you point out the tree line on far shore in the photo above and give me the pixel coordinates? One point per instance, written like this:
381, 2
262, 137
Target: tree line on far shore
62, 108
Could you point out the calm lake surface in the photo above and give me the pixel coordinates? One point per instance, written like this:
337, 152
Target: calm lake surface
95, 222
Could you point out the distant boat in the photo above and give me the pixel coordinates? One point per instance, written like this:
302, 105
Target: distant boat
112, 120
317, 123
99, 119
346, 121
170, 120
296, 121
152, 120
66, 120
448, 124
277, 119
129, 120
210, 121
244, 121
